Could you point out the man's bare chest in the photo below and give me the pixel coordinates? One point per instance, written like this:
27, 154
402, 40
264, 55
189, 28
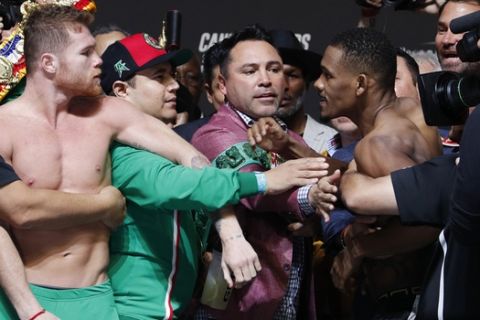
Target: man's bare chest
71, 156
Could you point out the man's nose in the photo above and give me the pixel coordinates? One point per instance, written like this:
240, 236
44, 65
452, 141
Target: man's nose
97, 60
264, 78
318, 84
450, 38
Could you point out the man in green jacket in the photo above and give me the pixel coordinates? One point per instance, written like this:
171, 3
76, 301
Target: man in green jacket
155, 253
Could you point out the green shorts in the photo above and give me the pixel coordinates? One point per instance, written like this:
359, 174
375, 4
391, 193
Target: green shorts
95, 302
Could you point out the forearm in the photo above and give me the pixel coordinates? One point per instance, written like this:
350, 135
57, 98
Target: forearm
27, 208
394, 240
284, 203
368, 196
297, 150
13, 279
207, 189
238, 256
227, 225
154, 182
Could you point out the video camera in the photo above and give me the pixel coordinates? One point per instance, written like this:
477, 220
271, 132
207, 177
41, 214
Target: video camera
396, 4
10, 12
446, 96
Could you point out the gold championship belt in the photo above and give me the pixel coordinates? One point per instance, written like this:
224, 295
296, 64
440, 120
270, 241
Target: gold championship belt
12, 58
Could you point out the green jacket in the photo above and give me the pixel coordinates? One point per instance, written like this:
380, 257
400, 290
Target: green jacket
155, 252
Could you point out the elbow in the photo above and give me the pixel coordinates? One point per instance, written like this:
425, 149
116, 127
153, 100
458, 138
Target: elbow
21, 223
354, 194
353, 201
356, 199
20, 218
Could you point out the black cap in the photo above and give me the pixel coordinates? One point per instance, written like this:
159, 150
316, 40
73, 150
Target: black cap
293, 53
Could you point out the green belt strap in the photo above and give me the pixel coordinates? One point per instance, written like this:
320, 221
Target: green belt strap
240, 155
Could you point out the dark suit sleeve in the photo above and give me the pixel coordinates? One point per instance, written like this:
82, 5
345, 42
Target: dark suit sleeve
465, 205
423, 191
7, 175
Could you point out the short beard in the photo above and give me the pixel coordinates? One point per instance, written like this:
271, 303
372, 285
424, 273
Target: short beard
285, 113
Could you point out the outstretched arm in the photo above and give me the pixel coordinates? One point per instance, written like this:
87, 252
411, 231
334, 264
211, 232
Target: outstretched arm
365, 195
24, 207
150, 180
267, 134
135, 128
27, 208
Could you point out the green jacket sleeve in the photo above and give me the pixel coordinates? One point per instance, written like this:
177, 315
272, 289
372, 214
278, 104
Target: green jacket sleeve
152, 181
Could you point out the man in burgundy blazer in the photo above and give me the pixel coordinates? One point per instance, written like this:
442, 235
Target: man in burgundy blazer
252, 81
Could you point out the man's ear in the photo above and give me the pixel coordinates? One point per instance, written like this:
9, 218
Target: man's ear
362, 84
209, 92
49, 63
221, 84
119, 89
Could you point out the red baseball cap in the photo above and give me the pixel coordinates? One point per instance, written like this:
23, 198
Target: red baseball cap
124, 58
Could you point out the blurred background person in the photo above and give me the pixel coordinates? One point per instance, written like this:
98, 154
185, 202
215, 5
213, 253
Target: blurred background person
211, 72
106, 35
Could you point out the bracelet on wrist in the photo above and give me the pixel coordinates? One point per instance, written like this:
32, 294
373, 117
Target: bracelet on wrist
238, 236
261, 182
38, 314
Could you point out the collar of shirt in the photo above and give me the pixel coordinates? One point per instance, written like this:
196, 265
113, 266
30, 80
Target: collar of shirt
250, 121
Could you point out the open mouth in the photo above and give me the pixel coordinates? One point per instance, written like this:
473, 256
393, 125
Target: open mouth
450, 56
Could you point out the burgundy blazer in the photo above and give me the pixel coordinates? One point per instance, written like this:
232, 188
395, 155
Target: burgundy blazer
264, 221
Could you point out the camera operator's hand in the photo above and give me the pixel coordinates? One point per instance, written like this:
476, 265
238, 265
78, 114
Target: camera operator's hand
432, 7
369, 12
370, 8
371, 3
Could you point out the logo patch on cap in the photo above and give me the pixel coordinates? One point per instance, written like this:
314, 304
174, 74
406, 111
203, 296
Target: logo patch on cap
151, 41
119, 67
